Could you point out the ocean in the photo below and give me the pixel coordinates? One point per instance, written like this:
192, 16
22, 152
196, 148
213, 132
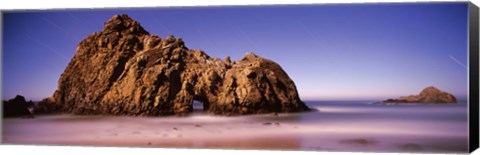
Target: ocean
332, 126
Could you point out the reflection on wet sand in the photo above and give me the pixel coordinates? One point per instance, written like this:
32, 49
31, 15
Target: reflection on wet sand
370, 129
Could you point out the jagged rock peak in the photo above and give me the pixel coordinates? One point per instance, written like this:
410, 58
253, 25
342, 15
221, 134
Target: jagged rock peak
430, 90
123, 23
250, 55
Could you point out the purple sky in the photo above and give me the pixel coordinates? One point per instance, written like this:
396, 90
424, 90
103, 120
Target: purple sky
347, 51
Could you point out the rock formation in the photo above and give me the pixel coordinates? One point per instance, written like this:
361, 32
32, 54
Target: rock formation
124, 70
17, 107
428, 95
47, 106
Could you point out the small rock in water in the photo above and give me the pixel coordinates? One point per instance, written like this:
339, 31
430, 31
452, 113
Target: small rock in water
267, 123
17, 107
359, 141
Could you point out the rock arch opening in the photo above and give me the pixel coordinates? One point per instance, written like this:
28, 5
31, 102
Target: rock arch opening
199, 104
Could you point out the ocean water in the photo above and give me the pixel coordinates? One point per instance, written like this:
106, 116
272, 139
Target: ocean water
332, 126
401, 127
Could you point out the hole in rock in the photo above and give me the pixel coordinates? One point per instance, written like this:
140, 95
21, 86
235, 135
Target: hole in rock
198, 106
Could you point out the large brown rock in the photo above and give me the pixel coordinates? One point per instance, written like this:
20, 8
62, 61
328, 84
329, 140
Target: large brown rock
427, 95
124, 70
47, 106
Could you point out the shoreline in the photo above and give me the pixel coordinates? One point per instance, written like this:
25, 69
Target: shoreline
366, 128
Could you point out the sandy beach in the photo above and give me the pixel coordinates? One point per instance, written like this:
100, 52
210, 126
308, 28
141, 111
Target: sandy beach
332, 128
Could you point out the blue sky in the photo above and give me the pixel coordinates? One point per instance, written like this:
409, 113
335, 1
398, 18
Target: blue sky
344, 51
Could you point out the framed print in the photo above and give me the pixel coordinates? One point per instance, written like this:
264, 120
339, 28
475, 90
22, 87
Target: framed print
360, 77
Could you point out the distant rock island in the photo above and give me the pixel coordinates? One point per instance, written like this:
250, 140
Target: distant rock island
427, 95
125, 70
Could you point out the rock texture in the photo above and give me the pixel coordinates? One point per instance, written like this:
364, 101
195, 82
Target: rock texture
47, 106
17, 107
428, 95
124, 70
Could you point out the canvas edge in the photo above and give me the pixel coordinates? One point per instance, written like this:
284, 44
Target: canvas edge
473, 100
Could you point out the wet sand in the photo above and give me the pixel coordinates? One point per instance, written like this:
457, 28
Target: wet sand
200, 130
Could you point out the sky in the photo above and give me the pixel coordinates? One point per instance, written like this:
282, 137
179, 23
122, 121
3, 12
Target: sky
331, 52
